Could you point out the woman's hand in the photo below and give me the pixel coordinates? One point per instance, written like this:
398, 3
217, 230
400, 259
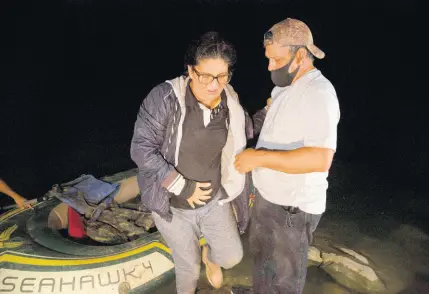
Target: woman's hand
201, 193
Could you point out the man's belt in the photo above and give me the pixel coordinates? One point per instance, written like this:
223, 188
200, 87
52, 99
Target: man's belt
291, 209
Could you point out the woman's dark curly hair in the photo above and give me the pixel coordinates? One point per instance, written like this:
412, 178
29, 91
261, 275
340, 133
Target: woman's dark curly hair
210, 45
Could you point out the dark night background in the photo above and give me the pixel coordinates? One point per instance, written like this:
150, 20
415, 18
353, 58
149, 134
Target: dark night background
75, 73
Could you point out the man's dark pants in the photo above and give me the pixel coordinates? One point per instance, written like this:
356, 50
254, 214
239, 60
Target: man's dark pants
279, 240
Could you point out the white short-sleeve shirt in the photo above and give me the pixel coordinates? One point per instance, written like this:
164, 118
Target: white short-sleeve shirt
305, 114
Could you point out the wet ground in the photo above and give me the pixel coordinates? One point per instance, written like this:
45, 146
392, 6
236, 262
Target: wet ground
373, 209
368, 212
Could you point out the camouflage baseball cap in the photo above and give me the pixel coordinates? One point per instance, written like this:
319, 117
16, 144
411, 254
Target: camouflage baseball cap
293, 32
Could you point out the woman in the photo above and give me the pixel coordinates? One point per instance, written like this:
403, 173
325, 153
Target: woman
186, 136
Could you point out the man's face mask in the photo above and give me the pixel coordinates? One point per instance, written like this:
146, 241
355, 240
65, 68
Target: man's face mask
282, 77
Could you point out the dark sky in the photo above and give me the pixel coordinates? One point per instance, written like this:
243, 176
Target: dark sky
76, 72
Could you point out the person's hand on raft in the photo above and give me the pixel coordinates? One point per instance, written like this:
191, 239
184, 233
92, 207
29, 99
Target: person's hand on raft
21, 202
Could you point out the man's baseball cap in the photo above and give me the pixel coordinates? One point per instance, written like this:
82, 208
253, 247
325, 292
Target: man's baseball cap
292, 32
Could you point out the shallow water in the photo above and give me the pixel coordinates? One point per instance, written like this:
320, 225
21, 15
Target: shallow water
401, 261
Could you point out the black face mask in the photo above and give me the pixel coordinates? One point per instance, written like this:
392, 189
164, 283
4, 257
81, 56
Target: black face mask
282, 77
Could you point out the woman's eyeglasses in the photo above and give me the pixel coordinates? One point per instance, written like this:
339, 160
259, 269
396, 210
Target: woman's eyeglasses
208, 78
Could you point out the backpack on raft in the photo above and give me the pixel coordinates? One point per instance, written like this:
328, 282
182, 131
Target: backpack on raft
104, 221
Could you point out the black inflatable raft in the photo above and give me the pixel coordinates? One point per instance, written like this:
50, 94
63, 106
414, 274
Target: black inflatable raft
37, 257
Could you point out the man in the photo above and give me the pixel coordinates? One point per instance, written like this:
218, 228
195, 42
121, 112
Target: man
19, 200
291, 161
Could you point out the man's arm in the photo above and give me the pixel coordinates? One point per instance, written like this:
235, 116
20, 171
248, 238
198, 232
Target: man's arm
258, 121
259, 118
248, 126
321, 116
298, 161
320, 136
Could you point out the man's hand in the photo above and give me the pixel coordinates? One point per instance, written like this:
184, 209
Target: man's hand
201, 193
246, 161
20, 201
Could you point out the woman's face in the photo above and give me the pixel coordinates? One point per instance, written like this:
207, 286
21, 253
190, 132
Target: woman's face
209, 78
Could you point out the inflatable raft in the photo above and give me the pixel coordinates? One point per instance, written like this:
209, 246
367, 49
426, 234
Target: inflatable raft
37, 257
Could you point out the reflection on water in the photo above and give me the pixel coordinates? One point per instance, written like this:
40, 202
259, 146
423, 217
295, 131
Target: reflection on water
379, 219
